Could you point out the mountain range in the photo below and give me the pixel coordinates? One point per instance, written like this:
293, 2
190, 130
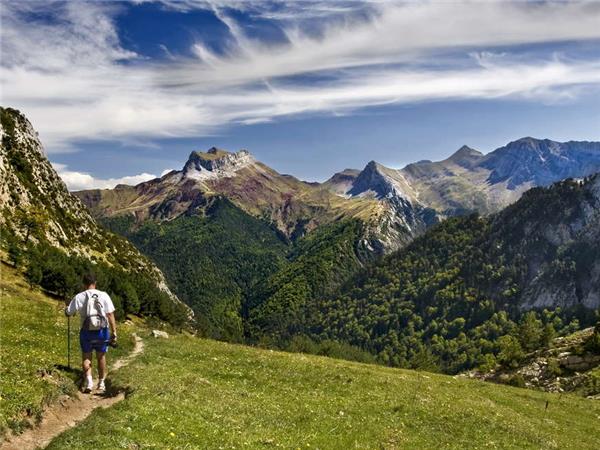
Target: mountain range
396, 204
469, 181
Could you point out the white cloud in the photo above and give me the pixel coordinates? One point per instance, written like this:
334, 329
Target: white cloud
78, 181
69, 75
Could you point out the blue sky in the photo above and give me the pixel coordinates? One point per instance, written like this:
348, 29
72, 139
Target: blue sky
121, 91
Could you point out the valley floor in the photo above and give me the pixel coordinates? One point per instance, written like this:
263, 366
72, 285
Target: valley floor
188, 393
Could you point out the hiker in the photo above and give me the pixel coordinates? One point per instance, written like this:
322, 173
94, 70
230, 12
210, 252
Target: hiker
96, 311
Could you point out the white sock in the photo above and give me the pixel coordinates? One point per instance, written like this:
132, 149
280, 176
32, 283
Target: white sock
90, 381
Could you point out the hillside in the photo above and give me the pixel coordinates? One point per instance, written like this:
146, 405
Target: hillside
251, 398
214, 260
184, 391
200, 393
48, 231
317, 266
456, 297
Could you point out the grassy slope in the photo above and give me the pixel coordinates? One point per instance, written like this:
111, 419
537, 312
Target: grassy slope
33, 332
191, 393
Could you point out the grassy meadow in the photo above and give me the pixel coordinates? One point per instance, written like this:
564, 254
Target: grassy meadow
190, 393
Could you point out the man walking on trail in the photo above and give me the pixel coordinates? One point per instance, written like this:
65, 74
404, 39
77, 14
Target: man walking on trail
96, 311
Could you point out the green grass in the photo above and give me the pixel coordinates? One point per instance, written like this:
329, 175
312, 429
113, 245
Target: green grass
189, 393
33, 343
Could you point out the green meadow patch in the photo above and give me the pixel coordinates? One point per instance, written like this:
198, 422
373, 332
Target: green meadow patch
188, 393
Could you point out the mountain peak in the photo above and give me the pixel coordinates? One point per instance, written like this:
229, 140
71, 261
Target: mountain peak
465, 156
216, 162
381, 181
211, 154
527, 140
341, 182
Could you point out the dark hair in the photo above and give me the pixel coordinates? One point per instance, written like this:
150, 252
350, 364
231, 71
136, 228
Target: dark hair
89, 279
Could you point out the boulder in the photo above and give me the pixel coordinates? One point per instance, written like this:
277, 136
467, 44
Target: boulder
575, 362
160, 334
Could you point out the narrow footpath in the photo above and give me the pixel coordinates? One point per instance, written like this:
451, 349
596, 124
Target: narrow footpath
68, 412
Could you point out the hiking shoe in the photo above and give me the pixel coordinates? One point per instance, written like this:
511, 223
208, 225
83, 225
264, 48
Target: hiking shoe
88, 388
101, 387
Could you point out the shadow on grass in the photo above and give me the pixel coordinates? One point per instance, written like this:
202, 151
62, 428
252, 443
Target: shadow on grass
67, 369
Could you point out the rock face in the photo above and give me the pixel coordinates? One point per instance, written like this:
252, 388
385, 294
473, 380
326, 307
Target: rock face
28, 183
404, 211
29, 187
541, 162
381, 182
216, 163
580, 363
560, 229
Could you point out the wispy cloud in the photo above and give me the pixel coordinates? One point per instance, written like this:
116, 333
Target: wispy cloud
75, 80
77, 181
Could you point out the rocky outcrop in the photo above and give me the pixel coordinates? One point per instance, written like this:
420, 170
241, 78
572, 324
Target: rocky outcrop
216, 163
564, 367
571, 235
577, 362
29, 183
160, 334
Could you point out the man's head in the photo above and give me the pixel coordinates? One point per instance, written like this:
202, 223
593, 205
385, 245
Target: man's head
89, 281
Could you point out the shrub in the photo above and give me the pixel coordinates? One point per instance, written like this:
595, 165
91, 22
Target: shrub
593, 343
511, 352
517, 380
553, 368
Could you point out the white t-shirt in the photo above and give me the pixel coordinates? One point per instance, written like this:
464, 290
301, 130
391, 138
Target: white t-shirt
78, 303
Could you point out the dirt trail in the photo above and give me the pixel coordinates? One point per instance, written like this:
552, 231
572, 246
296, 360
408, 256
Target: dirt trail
68, 412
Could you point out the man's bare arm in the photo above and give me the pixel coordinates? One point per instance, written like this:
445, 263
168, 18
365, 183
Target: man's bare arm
113, 325
70, 307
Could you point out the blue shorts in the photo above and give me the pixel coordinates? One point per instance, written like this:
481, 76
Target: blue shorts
94, 340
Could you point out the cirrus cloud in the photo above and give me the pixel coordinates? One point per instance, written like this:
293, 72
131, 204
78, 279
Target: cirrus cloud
76, 81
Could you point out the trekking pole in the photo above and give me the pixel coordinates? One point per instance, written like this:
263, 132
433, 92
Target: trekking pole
69, 341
